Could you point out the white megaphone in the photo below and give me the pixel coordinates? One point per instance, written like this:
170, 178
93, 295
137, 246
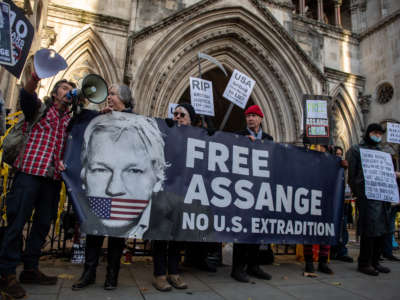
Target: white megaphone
48, 63
94, 88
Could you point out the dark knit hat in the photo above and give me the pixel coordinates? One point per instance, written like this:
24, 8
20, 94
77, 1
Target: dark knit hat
254, 109
190, 109
370, 128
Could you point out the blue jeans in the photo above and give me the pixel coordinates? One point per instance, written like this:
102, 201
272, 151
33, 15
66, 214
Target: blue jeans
28, 193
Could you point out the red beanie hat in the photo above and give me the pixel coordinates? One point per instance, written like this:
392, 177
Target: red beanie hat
254, 109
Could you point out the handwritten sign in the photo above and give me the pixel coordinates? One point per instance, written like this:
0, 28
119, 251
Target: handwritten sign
201, 96
239, 89
380, 179
393, 133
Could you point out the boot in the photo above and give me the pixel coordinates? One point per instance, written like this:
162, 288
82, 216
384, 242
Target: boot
88, 277
257, 272
111, 278
239, 274
34, 276
324, 268
12, 287
115, 248
92, 253
309, 268
161, 283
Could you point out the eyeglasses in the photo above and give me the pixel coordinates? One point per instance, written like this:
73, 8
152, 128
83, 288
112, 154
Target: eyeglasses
182, 115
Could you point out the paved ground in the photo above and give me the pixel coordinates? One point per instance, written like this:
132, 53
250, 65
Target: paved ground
287, 283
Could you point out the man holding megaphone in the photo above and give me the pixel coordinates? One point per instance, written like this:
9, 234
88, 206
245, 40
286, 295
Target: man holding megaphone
37, 183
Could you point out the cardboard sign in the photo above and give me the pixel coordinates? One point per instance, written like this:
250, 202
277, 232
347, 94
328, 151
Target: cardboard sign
380, 179
316, 119
239, 89
21, 36
171, 108
201, 96
6, 57
393, 133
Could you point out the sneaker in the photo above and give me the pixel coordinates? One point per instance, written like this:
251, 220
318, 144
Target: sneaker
34, 276
324, 268
161, 283
177, 282
257, 272
12, 287
381, 269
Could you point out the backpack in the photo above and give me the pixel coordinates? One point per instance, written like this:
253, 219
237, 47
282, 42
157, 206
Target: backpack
15, 142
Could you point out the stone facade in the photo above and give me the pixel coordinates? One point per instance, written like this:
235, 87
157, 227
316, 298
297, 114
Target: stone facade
345, 49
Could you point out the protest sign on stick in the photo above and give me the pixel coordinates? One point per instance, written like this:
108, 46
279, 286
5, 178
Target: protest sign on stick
201, 96
237, 91
316, 119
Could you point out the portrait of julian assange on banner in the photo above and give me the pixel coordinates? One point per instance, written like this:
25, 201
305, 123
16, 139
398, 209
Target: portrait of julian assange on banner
133, 176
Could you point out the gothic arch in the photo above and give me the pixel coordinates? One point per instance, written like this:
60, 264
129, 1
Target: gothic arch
86, 53
239, 40
347, 118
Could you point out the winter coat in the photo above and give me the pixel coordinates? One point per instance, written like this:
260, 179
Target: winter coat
374, 215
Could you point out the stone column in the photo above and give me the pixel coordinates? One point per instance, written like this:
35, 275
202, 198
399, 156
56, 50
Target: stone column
302, 5
364, 101
320, 10
338, 21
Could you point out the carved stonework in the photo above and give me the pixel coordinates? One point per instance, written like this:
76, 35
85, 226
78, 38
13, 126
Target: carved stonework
49, 37
364, 101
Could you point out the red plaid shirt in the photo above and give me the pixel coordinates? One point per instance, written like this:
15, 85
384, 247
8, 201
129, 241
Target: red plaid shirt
45, 145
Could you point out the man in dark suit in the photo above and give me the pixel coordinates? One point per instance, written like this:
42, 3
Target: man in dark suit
248, 254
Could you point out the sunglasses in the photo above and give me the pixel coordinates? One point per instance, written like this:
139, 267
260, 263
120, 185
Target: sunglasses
181, 114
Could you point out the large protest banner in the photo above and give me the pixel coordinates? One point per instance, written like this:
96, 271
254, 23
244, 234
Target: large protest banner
133, 176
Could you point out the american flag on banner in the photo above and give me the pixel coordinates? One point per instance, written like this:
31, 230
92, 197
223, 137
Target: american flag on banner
117, 209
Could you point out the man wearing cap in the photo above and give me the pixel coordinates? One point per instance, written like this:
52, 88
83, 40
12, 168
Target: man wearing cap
248, 254
374, 216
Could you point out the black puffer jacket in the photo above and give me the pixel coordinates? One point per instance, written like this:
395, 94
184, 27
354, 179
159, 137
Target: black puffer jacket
374, 215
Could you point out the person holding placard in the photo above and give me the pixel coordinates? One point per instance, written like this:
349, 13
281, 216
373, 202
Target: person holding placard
374, 216
248, 254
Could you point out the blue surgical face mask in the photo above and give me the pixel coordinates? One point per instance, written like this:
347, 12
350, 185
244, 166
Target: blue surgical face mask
376, 139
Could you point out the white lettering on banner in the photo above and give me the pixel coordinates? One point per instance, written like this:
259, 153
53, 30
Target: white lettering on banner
393, 133
239, 89
379, 176
244, 198
201, 96
218, 154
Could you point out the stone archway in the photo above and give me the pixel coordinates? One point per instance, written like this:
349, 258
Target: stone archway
239, 40
347, 119
85, 53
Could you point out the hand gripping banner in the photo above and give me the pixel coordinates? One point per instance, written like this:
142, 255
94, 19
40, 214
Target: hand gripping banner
133, 176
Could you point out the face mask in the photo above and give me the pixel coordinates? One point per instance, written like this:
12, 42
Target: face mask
375, 138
